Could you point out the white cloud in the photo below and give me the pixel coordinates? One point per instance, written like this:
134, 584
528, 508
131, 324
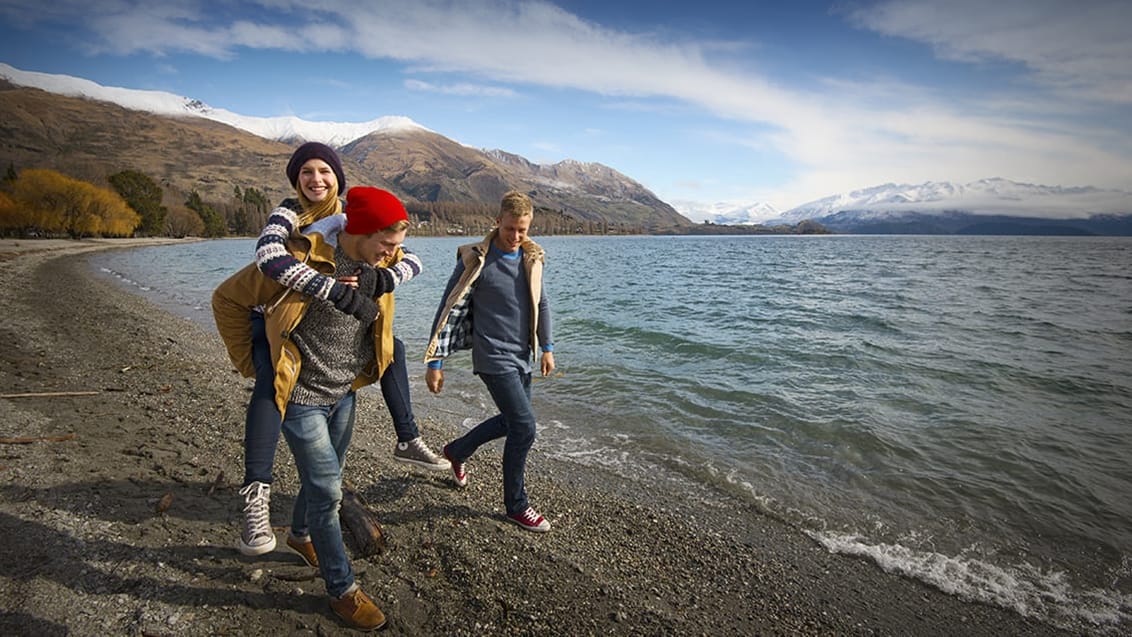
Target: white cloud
464, 89
1080, 48
123, 28
841, 135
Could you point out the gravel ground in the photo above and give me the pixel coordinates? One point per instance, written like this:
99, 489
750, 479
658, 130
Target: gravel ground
119, 510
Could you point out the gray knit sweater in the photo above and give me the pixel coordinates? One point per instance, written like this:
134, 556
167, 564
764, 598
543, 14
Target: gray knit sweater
335, 346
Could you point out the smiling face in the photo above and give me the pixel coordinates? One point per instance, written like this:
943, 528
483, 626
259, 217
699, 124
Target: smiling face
373, 248
317, 180
512, 231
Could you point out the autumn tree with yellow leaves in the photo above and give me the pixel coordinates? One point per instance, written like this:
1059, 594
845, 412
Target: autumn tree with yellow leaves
47, 202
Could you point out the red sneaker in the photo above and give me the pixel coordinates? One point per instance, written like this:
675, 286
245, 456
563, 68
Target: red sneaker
458, 472
530, 520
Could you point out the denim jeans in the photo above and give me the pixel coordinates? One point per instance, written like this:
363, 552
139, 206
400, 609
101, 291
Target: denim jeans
319, 437
395, 390
261, 425
516, 420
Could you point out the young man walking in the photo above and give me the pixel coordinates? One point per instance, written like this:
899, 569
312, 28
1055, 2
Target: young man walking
500, 279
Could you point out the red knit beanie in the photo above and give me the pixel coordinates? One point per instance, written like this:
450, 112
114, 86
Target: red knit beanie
370, 210
315, 150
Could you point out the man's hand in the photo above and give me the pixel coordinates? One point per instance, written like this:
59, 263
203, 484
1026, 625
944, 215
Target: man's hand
353, 302
384, 283
434, 378
367, 281
547, 363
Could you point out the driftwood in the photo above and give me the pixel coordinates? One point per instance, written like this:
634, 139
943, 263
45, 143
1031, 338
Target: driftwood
50, 394
360, 527
217, 483
28, 441
163, 504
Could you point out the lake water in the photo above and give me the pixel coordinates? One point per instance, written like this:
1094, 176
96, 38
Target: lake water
956, 409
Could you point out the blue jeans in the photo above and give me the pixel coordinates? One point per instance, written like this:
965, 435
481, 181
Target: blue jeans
261, 426
395, 391
516, 420
319, 437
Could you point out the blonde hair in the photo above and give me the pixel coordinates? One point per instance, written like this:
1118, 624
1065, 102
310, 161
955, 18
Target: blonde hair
315, 210
398, 226
516, 204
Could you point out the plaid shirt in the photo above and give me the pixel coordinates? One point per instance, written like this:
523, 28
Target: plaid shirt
456, 333
452, 328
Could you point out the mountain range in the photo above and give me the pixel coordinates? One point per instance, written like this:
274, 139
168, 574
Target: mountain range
89, 131
985, 206
728, 213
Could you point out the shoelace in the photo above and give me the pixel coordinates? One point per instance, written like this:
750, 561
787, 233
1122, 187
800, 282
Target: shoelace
529, 516
257, 508
422, 450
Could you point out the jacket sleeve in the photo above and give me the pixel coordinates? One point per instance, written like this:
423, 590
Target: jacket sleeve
232, 304
436, 351
545, 327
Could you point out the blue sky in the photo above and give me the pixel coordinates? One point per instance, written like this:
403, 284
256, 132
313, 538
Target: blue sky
703, 102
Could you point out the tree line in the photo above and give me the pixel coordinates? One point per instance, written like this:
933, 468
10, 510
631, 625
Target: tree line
39, 202
477, 218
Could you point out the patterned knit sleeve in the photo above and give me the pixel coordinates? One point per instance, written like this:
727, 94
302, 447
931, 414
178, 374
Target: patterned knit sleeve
273, 259
408, 267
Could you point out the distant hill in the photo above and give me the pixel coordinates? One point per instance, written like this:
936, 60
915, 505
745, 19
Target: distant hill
986, 206
958, 222
90, 131
91, 139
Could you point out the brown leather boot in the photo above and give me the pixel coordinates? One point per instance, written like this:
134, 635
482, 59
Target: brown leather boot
358, 610
304, 549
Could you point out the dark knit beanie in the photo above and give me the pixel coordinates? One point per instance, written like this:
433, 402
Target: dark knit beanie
315, 150
370, 210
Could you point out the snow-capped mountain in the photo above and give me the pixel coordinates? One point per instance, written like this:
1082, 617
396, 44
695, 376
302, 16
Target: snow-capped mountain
993, 196
891, 204
173, 138
162, 103
726, 213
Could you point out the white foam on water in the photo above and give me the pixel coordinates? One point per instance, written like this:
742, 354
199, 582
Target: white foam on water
1029, 591
122, 278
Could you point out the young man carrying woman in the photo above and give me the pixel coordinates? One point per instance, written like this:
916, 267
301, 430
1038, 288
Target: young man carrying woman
315, 172
322, 355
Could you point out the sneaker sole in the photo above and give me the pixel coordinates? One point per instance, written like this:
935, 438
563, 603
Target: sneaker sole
533, 529
422, 464
455, 479
252, 551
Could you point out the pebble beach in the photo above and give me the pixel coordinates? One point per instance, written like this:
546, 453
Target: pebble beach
121, 454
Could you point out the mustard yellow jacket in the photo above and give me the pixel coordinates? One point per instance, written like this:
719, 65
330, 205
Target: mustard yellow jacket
235, 298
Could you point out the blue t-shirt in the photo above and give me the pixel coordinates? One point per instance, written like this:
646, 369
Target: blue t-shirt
501, 307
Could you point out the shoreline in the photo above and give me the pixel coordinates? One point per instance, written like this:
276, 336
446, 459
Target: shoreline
90, 555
